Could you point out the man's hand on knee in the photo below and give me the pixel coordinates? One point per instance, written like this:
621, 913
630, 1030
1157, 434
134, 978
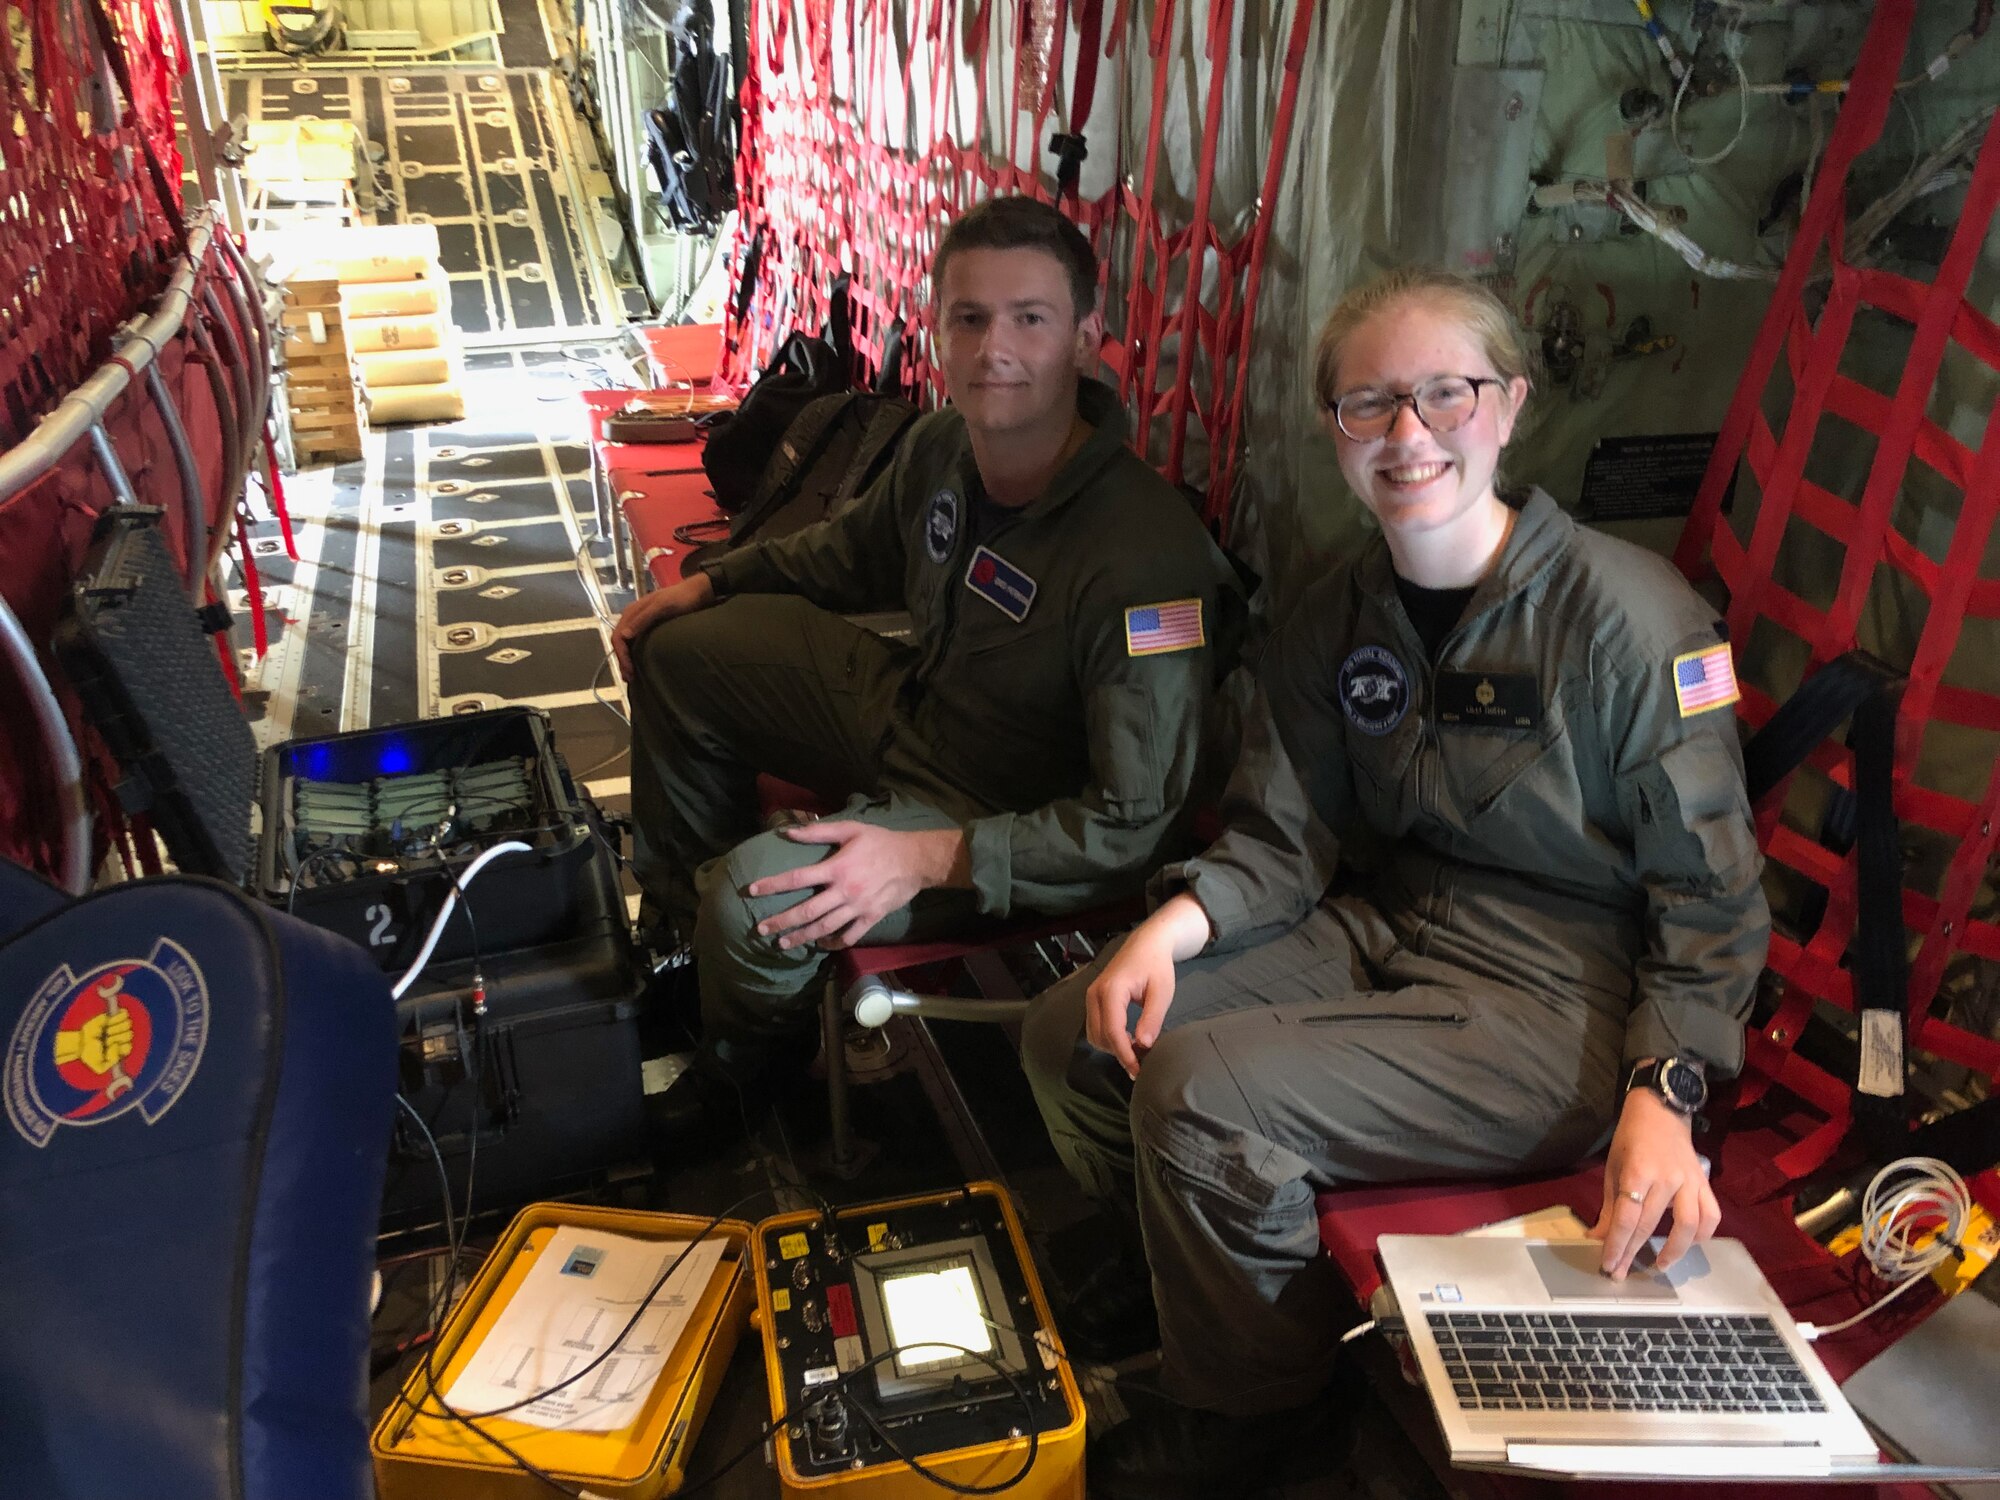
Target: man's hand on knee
871, 873
648, 610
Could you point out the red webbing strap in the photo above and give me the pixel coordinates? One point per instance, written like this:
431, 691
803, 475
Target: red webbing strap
278, 506
146, 845
1920, 369
1855, 129
1222, 13
1985, 1190
1083, 88
1145, 311
114, 54
1223, 455
1943, 913
253, 587
224, 652
829, 182
63, 292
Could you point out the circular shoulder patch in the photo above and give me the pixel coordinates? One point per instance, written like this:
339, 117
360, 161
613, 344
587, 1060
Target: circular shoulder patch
125, 1037
941, 525
1374, 690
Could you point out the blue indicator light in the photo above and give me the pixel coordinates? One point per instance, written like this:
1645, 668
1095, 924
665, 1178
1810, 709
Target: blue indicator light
317, 763
394, 759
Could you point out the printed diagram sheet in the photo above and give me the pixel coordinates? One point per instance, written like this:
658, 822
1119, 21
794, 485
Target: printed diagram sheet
582, 1289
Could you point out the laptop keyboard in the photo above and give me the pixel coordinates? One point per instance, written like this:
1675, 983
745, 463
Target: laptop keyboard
1689, 1362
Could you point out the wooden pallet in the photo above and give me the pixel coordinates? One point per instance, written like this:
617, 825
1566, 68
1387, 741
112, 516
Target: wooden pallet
327, 421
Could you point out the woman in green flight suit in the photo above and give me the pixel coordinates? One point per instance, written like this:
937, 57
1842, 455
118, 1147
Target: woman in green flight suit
1526, 725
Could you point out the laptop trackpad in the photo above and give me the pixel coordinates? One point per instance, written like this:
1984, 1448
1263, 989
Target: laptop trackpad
1569, 1270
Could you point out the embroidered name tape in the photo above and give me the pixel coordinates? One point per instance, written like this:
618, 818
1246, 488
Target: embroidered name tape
1704, 680
1176, 625
1000, 584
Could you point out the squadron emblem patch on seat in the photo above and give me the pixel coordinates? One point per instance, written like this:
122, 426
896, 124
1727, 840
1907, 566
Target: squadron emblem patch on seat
1374, 690
127, 1035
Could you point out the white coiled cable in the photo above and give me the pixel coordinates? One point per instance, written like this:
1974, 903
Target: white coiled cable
486, 857
1913, 1217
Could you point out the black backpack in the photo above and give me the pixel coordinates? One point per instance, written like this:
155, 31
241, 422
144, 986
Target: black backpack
741, 443
830, 454
691, 135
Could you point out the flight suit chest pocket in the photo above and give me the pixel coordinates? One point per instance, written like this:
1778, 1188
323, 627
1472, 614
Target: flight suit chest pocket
1025, 663
1383, 773
1482, 764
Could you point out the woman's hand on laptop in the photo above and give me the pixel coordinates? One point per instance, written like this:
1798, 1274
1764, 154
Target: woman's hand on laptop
1652, 1167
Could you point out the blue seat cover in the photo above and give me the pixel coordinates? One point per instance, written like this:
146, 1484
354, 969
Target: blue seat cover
187, 1231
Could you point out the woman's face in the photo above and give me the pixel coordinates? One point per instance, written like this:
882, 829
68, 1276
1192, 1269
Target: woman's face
1411, 478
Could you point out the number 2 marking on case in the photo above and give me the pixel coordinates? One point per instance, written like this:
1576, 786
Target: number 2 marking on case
379, 936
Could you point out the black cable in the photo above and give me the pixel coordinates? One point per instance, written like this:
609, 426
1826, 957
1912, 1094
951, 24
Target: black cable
440, 1304
840, 1386
514, 1455
638, 1312
441, 1298
298, 875
471, 1420
478, 1020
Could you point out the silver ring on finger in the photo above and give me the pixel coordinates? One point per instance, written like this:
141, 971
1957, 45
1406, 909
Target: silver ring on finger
1635, 1195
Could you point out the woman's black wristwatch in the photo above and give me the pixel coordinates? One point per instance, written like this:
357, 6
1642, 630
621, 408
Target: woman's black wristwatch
1677, 1080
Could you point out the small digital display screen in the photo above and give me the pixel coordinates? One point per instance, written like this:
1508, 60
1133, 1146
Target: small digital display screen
934, 1315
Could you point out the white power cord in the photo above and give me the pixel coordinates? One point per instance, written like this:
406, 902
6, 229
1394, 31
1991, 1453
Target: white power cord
486, 857
1916, 1198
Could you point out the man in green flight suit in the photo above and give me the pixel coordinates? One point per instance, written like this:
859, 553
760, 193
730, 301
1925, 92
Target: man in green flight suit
1031, 746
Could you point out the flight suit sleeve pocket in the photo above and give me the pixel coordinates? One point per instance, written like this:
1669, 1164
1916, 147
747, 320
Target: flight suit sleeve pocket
1708, 796
1125, 751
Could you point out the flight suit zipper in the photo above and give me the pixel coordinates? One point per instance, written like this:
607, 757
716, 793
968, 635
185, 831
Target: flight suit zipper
954, 583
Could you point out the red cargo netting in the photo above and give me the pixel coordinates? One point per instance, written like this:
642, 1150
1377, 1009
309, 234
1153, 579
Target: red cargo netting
1948, 900
85, 237
852, 159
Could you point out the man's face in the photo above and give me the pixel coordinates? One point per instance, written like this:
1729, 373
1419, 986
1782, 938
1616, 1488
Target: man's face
1011, 343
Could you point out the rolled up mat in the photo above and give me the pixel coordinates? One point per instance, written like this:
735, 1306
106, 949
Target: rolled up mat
444, 402
390, 299
402, 367
373, 335
366, 270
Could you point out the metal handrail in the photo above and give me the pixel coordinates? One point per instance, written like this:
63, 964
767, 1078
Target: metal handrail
84, 407
80, 416
62, 749
875, 1003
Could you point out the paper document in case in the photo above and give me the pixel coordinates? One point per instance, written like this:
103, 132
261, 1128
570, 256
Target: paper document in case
583, 1288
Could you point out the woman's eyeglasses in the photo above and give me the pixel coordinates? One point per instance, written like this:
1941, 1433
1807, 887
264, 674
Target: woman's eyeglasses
1444, 403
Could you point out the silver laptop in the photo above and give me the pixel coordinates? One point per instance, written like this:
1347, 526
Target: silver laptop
1537, 1361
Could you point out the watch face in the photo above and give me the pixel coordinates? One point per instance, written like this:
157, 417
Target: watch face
1683, 1085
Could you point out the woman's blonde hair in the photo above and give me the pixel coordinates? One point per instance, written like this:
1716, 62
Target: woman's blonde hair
1485, 317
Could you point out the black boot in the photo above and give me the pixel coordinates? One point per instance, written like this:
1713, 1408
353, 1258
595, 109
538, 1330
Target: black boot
705, 1111
1110, 1315
1181, 1453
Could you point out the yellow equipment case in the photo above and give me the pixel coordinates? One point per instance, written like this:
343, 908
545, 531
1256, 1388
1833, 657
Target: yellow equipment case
827, 1295
422, 1454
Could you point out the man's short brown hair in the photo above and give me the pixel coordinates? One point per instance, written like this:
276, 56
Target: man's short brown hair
1018, 223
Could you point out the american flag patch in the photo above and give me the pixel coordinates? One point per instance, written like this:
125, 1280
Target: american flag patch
1705, 679
1173, 626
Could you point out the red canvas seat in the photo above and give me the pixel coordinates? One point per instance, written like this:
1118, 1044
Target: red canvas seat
683, 355
644, 492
